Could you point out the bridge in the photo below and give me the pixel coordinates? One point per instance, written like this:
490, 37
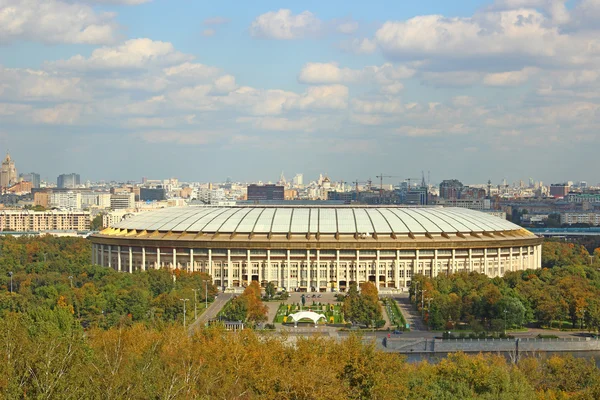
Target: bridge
562, 232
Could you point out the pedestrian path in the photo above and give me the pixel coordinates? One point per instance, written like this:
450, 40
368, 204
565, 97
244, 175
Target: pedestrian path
410, 313
212, 311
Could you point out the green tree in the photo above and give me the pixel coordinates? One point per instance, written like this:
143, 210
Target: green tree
97, 223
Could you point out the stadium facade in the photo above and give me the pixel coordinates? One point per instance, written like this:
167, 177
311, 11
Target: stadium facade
317, 248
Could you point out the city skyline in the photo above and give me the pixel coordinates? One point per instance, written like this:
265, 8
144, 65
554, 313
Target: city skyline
479, 90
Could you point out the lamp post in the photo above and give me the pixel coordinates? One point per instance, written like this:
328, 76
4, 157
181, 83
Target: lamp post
184, 301
505, 313
71, 279
195, 301
205, 294
423, 302
416, 290
429, 311
11, 287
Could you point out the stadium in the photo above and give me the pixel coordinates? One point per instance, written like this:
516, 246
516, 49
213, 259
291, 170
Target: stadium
308, 248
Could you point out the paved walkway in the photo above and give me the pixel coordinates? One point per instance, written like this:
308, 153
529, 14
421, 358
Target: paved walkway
410, 313
212, 310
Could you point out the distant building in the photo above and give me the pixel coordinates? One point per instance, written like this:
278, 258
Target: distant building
450, 189
122, 201
69, 200
298, 180
95, 200
583, 197
265, 192
147, 194
570, 218
417, 196
40, 221
559, 190
33, 178
8, 173
472, 204
21, 187
42, 199
68, 181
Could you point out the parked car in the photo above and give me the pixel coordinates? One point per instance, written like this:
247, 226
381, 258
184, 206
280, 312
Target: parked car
397, 332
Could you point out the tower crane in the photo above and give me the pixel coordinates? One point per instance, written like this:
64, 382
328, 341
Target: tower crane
381, 176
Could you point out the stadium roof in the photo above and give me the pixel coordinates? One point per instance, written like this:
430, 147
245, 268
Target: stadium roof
316, 220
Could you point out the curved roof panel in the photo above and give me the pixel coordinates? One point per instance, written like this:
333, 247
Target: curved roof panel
325, 220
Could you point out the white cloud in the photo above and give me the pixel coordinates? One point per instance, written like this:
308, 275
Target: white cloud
133, 54
179, 136
388, 106
54, 21
280, 124
521, 32
61, 114
125, 2
332, 97
347, 27
509, 78
224, 84
386, 75
208, 32
359, 46
283, 25
191, 72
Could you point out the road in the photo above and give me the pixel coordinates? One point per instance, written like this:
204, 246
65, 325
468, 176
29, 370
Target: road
410, 313
212, 311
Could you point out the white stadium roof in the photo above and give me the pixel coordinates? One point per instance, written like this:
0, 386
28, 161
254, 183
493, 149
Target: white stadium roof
313, 220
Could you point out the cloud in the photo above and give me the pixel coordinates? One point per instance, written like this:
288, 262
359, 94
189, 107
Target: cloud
179, 136
191, 72
208, 32
523, 32
280, 124
54, 21
359, 46
347, 27
509, 78
133, 54
124, 2
386, 74
61, 114
283, 25
332, 97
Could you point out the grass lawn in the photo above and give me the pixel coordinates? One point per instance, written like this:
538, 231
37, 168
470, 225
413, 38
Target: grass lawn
393, 311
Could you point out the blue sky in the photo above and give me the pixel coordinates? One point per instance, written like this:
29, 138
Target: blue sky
119, 89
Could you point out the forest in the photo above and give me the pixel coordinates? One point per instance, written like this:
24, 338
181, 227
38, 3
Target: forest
70, 330
564, 293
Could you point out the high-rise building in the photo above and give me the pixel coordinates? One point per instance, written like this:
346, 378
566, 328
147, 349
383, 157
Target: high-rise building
151, 194
67, 200
33, 178
450, 189
8, 173
265, 192
559, 190
299, 180
68, 181
122, 201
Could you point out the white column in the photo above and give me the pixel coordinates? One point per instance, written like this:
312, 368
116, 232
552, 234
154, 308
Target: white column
192, 265
397, 271
434, 267
470, 260
377, 270
269, 273
143, 258
288, 271
210, 267
248, 267
319, 272
102, 255
158, 257
416, 267
229, 269
539, 253
485, 261
109, 256
521, 260
510, 257
337, 270
130, 260
119, 258
308, 270
260, 274
357, 269
499, 250
453, 265
174, 258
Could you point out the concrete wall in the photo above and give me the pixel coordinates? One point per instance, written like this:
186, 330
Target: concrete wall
490, 345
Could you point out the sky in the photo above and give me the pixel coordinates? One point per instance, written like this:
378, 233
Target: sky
202, 91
